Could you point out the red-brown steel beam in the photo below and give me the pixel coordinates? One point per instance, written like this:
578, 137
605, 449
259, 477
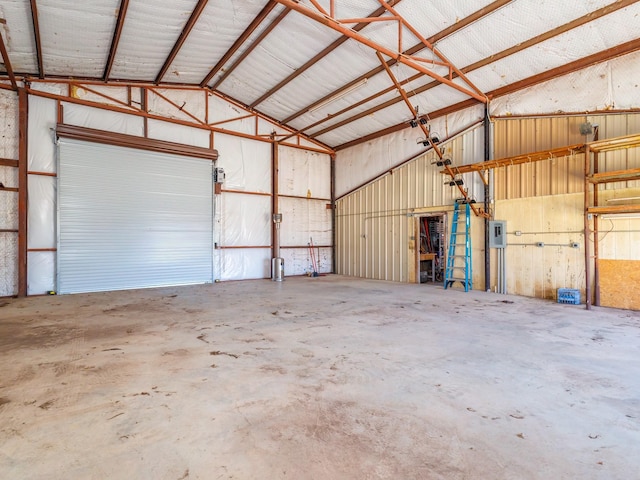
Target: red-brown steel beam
122, 12
326, 51
23, 125
427, 135
255, 23
474, 17
7, 62
36, 35
7, 162
429, 45
479, 64
399, 56
603, 56
195, 15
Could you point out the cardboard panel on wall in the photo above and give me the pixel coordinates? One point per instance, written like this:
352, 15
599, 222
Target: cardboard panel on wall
614, 292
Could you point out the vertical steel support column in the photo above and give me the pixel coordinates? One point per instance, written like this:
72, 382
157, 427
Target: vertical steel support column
275, 246
587, 234
23, 124
333, 213
487, 156
596, 246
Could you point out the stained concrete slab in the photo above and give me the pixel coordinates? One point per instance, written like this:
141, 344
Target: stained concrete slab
316, 378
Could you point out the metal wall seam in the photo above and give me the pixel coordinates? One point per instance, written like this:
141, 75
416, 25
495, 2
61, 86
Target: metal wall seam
375, 223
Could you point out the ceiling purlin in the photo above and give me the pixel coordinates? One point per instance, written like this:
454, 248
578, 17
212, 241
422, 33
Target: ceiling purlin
251, 47
195, 15
6, 61
255, 23
320, 55
479, 64
411, 51
122, 12
36, 35
399, 56
359, 103
586, 62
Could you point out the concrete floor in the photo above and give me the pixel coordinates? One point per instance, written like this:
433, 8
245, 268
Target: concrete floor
316, 378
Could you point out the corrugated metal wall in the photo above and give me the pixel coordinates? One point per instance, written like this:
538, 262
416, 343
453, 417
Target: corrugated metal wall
556, 176
550, 192
375, 225
557, 222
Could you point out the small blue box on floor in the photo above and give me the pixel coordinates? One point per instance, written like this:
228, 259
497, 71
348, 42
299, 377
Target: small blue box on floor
569, 295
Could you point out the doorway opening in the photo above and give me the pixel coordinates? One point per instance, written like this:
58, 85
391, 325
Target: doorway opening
431, 255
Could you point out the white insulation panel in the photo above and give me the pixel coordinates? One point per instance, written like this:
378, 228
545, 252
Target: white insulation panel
170, 132
245, 220
8, 199
41, 149
303, 219
8, 125
41, 272
242, 264
177, 103
148, 35
101, 119
74, 35
8, 264
246, 163
303, 173
297, 261
42, 212
226, 115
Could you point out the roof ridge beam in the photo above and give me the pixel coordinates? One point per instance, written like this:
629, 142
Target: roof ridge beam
327, 50
474, 17
431, 47
399, 56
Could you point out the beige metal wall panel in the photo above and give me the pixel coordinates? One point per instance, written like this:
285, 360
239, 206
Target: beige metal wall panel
557, 176
556, 221
375, 225
616, 126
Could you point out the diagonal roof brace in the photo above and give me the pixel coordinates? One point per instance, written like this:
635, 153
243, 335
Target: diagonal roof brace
429, 138
407, 60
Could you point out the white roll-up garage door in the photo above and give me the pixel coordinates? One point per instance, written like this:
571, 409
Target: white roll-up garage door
130, 218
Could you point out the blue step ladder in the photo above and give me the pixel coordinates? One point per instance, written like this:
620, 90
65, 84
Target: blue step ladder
459, 265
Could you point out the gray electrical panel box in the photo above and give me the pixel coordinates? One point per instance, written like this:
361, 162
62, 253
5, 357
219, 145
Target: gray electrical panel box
497, 234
